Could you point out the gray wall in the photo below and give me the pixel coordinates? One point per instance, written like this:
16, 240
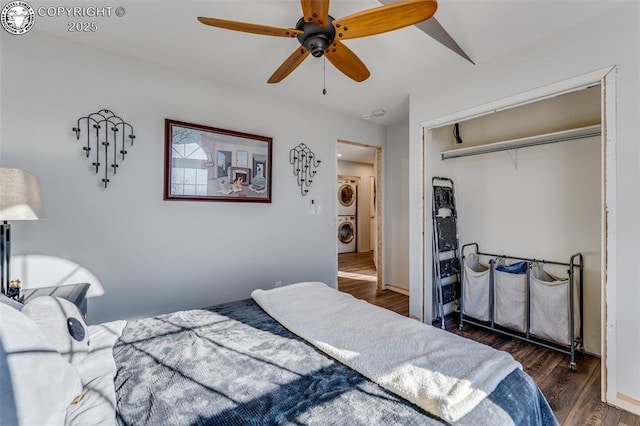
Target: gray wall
151, 255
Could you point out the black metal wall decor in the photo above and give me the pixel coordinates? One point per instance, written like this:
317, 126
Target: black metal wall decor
104, 130
304, 166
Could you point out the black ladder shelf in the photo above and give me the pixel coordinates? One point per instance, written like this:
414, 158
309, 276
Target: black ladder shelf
446, 262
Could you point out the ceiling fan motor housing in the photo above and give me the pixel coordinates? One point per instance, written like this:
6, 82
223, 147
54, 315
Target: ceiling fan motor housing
315, 38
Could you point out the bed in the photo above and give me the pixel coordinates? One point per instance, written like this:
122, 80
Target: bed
235, 364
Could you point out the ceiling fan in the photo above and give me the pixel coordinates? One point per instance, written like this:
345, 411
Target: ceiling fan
320, 34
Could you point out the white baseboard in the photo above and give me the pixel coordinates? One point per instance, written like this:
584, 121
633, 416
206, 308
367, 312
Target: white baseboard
627, 403
397, 289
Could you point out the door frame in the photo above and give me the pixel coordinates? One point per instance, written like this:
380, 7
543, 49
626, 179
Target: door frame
606, 78
372, 206
378, 213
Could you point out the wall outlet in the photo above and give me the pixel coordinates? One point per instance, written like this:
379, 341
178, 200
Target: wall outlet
278, 283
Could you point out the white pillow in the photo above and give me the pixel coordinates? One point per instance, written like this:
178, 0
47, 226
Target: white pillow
62, 323
97, 372
37, 384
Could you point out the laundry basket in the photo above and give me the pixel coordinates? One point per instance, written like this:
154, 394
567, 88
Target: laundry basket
550, 307
510, 295
475, 299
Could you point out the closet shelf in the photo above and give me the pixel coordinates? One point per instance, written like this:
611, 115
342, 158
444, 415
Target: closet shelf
547, 138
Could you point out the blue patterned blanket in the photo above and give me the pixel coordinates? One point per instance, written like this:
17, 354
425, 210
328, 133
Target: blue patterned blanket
234, 365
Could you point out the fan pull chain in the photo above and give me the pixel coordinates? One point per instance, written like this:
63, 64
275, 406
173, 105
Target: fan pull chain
324, 75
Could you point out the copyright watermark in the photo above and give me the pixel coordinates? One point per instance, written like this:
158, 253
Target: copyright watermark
81, 12
18, 17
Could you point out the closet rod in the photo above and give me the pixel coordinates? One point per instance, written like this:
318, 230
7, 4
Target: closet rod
548, 138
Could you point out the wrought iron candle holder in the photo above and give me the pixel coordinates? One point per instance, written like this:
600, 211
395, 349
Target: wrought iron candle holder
103, 130
304, 166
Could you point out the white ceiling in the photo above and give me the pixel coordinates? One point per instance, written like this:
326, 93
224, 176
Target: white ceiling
359, 154
167, 33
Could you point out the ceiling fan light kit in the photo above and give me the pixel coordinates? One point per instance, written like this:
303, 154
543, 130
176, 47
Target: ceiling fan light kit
320, 34
314, 37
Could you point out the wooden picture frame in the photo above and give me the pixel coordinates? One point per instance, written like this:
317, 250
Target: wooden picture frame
203, 163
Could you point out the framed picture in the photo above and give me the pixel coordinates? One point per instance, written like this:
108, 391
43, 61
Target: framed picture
203, 163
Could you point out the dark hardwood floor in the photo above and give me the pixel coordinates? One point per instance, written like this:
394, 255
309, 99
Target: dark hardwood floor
357, 276
574, 397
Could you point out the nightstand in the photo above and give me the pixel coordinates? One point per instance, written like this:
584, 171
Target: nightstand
74, 293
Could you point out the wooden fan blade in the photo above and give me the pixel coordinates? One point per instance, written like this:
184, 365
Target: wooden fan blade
346, 61
250, 28
290, 64
384, 18
316, 11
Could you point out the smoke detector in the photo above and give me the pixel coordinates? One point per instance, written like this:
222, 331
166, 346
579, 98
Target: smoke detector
376, 113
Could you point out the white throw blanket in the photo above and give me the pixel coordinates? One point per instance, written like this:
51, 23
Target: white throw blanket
445, 374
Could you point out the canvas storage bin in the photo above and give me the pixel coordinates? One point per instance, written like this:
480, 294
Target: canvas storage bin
510, 296
476, 288
550, 308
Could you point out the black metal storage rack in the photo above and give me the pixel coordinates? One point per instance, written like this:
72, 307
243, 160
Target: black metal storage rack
576, 342
446, 262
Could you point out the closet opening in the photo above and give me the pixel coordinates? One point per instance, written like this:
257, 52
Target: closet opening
535, 177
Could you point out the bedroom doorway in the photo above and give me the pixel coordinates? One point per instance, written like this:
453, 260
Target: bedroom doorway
359, 169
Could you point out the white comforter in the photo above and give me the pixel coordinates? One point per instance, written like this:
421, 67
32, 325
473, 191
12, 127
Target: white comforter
444, 374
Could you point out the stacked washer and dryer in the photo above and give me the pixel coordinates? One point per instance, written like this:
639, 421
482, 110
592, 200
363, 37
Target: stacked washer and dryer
347, 209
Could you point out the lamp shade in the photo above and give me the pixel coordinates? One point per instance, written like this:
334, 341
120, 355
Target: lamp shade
20, 197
